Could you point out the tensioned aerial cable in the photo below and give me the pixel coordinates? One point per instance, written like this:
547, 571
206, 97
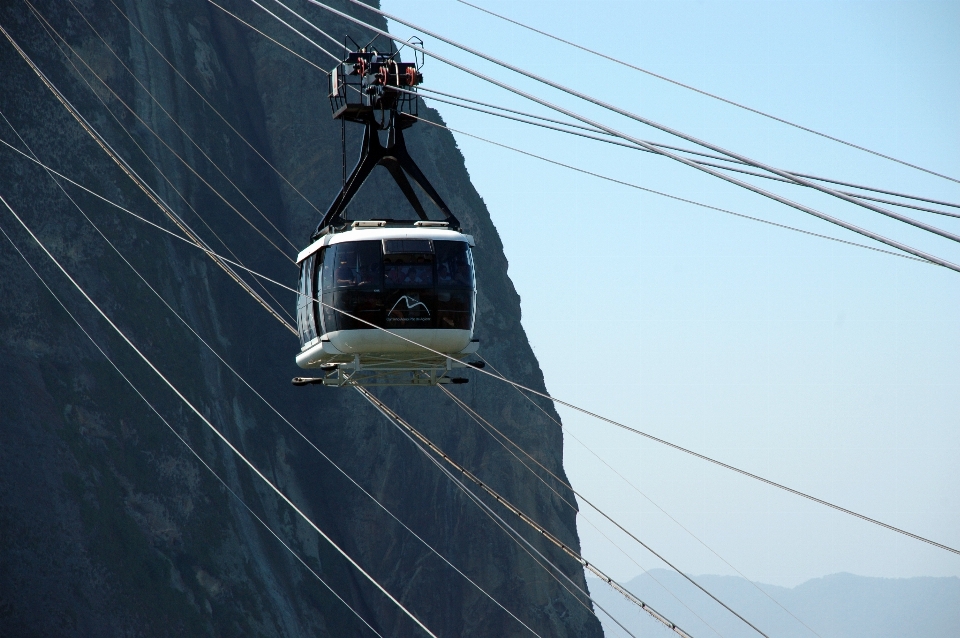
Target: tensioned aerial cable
710, 171
219, 259
660, 145
514, 383
501, 112
252, 389
637, 118
711, 95
292, 28
545, 159
647, 146
150, 159
618, 142
666, 146
182, 440
140, 183
475, 415
674, 197
922, 255
486, 424
420, 441
175, 123
567, 432
213, 108
314, 27
154, 133
536, 555
646, 435
499, 437
279, 44
210, 425
98, 76
124, 165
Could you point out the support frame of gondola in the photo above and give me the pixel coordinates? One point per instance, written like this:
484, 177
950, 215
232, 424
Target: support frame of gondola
360, 90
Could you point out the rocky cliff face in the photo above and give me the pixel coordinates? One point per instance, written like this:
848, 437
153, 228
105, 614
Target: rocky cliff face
108, 524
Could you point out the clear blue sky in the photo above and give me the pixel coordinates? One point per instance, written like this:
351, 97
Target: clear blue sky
829, 368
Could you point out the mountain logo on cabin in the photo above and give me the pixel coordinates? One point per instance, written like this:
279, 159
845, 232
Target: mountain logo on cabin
411, 304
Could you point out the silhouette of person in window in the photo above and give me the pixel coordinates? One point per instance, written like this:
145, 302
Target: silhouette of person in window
344, 274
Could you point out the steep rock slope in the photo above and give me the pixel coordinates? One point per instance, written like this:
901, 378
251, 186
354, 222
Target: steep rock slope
108, 524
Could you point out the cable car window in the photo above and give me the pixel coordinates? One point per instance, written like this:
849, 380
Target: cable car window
408, 270
400, 246
455, 309
353, 264
306, 319
454, 264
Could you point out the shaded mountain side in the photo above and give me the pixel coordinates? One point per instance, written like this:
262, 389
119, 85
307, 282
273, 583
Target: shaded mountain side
108, 525
833, 606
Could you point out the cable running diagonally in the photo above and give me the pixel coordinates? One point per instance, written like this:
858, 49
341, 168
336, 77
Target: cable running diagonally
711, 95
139, 182
177, 124
424, 444
646, 435
251, 388
157, 136
618, 142
574, 168
500, 437
746, 185
674, 197
182, 440
567, 432
294, 29
265, 278
648, 122
869, 234
213, 428
48, 28
282, 46
470, 411
535, 392
213, 108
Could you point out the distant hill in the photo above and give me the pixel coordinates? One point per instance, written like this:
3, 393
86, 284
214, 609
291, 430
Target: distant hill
833, 606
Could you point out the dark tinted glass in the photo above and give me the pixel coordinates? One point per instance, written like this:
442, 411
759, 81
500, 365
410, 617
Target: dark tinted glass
454, 264
356, 264
306, 319
404, 283
362, 305
455, 309
408, 270
399, 246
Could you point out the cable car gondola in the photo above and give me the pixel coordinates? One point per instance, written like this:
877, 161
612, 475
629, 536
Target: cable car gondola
373, 292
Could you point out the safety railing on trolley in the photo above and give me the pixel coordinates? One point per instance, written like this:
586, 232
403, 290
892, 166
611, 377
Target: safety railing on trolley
359, 86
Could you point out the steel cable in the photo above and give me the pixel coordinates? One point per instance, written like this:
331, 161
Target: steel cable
617, 142
156, 135
490, 429
420, 441
567, 432
712, 95
709, 171
252, 389
643, 120
213, 428
182, 440
139, 182
541, 394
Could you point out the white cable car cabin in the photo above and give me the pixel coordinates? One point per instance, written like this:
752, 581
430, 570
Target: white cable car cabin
415, 280
360, 281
